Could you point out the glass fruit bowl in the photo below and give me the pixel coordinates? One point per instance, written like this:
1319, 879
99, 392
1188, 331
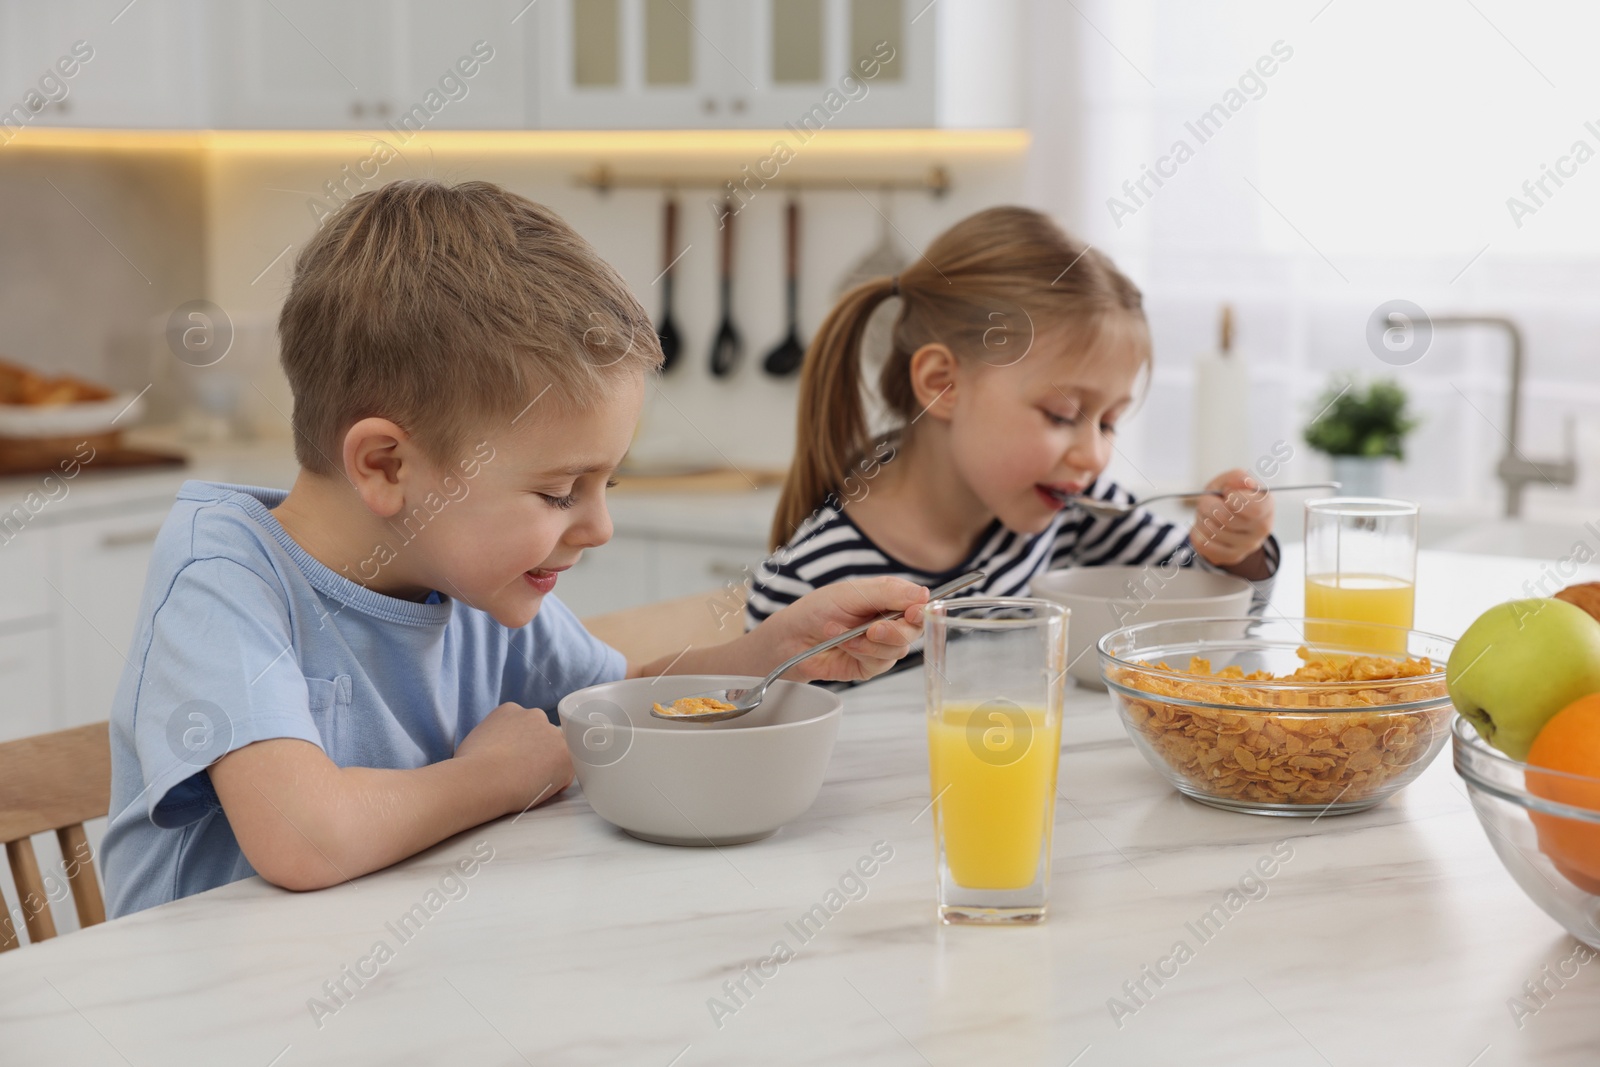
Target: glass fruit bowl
1215, 706
1544, 826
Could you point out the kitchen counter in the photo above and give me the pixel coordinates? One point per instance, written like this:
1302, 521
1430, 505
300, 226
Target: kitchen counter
265, 462
1388, 937
739, 516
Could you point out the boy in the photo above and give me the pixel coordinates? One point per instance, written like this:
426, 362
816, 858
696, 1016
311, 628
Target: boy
326, 681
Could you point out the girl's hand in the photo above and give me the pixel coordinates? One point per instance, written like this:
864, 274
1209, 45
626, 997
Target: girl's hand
830, 611
1230, 530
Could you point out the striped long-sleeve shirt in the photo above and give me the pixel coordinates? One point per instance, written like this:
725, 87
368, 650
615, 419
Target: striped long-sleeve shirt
828, 547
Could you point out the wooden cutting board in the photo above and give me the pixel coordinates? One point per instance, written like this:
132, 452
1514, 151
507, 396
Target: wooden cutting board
115, 457
720, 480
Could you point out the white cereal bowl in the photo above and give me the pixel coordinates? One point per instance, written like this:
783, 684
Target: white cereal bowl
1104, 599
720, 783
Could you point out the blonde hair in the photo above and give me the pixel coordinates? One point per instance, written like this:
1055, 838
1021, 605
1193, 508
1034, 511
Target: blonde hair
1003, 267
439, 306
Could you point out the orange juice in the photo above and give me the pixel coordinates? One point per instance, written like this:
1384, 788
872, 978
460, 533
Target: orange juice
1360, 598
994, 780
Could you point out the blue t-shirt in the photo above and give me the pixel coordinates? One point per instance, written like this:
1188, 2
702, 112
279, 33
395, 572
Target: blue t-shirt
243, 636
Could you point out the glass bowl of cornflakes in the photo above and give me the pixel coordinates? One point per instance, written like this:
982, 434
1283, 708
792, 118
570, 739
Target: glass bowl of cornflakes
1281, 716
1544, 825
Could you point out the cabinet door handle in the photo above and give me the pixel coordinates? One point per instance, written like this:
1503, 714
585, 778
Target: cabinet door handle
709, 106
734, 571
129, 537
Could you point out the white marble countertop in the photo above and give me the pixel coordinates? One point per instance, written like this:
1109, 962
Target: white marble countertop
1389, 937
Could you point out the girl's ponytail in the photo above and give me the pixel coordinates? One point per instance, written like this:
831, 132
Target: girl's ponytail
831, 434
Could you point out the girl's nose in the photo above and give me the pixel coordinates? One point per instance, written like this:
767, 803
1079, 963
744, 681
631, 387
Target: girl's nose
1089, 452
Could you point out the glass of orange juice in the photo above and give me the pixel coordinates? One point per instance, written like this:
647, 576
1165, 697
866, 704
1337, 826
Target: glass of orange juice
1361, 567
995, 669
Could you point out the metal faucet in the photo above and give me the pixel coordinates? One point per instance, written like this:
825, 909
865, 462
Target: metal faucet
1515, 469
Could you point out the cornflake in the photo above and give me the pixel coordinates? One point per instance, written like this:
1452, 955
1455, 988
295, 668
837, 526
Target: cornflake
1250, 752
693, 706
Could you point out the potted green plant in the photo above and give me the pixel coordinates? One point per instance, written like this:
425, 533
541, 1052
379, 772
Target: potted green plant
1360, 429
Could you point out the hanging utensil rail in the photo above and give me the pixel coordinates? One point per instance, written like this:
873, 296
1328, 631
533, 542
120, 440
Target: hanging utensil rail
603, 179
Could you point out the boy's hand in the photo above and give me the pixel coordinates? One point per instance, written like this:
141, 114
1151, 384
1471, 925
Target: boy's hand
830, 611
1229, 531
524, 752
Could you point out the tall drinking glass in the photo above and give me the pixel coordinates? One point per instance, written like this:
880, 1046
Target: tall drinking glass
995, 669
1361, 566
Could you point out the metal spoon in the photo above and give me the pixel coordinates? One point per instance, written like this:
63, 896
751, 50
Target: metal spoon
747, 700
1110, 509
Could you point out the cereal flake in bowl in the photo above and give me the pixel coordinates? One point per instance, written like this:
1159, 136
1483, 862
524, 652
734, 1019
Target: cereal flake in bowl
1249, 715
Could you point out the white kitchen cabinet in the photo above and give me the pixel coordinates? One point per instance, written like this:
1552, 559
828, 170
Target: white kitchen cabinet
635, 64
141, 70
301, 64
845, 64
772, 64
28, 684
437, 42
619, 574
559, 64
699, 567
24, 556
633, 569
696, 64
99, 567
367, 64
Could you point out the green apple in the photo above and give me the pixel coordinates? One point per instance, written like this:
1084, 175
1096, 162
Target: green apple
1519, 664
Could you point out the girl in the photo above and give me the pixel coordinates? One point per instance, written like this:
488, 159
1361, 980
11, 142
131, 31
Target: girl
1015, 352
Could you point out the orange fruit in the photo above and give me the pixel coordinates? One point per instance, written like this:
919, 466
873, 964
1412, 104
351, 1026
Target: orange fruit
1569, 742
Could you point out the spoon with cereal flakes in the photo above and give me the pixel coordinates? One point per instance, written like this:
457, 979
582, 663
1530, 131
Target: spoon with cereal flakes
719, 704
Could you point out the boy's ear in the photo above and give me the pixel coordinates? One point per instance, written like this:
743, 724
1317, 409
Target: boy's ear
934, 376
378, 457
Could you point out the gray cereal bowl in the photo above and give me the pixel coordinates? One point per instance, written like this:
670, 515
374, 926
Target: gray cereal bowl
721, 783
1103, 599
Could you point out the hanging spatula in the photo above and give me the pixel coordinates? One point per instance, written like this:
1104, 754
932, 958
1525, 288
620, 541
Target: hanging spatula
668, 330
785, 359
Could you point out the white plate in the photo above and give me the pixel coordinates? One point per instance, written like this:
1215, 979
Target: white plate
68, 420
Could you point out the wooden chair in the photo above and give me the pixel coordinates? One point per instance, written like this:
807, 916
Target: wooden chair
669, 627
53, 782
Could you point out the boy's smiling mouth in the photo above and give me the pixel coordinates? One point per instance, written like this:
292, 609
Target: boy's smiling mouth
543, 579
